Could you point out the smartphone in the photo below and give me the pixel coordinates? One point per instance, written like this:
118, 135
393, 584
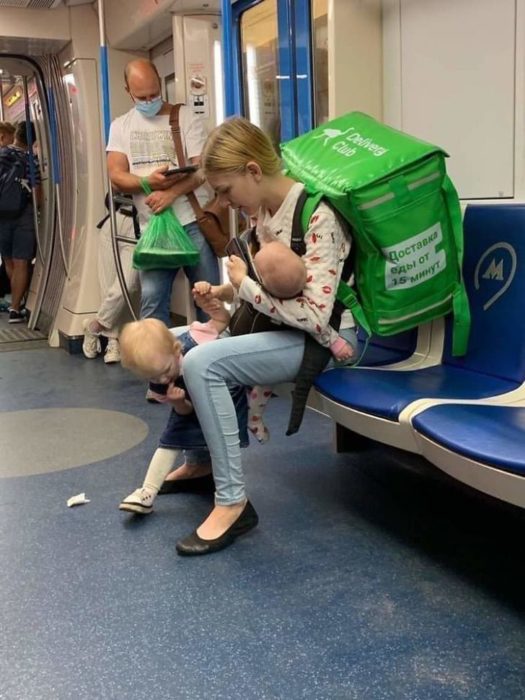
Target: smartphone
181, 171
235, 247
239, 247
159, 388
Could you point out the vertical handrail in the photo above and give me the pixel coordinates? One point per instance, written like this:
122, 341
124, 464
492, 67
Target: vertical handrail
228, 65
57, 177
104, 71
32, 169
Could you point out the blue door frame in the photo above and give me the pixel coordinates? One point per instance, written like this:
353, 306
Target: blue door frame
295, 62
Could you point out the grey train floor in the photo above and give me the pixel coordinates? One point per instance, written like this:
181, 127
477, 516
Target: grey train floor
364, 580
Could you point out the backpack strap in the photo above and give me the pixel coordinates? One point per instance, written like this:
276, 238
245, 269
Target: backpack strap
460, 305
346, 297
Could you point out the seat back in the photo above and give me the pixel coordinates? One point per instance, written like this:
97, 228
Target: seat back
386, 349
494, 274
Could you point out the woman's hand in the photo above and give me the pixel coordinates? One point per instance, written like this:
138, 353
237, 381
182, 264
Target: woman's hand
207, 291
159, 200
202, 296
237, 270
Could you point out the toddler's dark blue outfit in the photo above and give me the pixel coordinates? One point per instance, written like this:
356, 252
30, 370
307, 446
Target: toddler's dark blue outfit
184, 432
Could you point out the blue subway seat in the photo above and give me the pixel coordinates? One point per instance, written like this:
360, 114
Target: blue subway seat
490, 435
386, 393
385, 350
494, 272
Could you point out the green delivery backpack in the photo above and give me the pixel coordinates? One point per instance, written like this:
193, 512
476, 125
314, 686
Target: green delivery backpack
394, 191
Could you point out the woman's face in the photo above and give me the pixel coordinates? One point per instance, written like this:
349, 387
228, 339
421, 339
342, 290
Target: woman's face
239, 190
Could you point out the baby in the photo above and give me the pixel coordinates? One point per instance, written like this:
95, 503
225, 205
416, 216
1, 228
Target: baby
281, 271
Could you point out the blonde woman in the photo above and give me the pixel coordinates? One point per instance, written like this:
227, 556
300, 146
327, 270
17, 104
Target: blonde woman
242, 166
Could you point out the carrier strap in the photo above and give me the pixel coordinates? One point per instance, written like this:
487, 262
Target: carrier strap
315, 356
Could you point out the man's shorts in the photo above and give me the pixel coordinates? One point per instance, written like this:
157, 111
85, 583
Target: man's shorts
17, 236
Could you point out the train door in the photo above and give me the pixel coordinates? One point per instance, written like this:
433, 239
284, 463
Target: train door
281, 83
24, 98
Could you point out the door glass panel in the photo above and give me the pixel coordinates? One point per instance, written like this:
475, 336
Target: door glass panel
320, 59
259, 46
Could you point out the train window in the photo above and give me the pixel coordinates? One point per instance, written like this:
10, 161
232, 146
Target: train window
259, 45
320, 59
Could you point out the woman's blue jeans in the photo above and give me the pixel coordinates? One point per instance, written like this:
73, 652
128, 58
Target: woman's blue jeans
156, 284
262, 358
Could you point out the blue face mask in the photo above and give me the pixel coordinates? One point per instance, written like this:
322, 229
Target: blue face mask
149, 109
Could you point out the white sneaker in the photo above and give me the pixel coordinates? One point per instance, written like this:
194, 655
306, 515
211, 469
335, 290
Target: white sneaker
140, 501
112, 353
91, 344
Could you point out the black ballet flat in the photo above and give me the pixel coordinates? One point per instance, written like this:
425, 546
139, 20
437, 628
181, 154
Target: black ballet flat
193, 545
200, 484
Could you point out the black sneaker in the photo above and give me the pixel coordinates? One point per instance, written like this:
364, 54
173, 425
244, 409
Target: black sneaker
16, 316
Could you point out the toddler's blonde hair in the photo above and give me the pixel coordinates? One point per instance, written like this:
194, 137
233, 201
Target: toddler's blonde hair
145, 347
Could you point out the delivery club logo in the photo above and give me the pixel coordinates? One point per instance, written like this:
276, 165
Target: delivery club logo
329, 134
349, 142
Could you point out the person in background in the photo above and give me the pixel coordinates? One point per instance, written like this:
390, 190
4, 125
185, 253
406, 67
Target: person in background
113, 309
7, 133
18, 235
140, 147
7, 136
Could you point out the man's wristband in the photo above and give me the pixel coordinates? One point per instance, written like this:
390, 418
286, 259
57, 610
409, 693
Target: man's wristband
145, 185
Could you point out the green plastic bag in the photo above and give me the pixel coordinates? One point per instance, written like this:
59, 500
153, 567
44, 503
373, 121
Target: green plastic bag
164, 244
394, 191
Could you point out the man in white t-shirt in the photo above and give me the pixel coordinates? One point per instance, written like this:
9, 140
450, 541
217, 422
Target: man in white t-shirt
140, 146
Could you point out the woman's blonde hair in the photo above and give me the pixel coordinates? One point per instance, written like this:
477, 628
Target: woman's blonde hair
236, 142
145, 345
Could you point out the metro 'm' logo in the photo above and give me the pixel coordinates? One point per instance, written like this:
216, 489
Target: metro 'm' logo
493, 271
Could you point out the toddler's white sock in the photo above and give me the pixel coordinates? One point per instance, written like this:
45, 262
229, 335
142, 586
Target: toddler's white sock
161, 465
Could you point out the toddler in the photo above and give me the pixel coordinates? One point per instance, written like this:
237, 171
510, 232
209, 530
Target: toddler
152, 352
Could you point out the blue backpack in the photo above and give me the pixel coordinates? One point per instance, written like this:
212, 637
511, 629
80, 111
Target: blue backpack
14, 188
